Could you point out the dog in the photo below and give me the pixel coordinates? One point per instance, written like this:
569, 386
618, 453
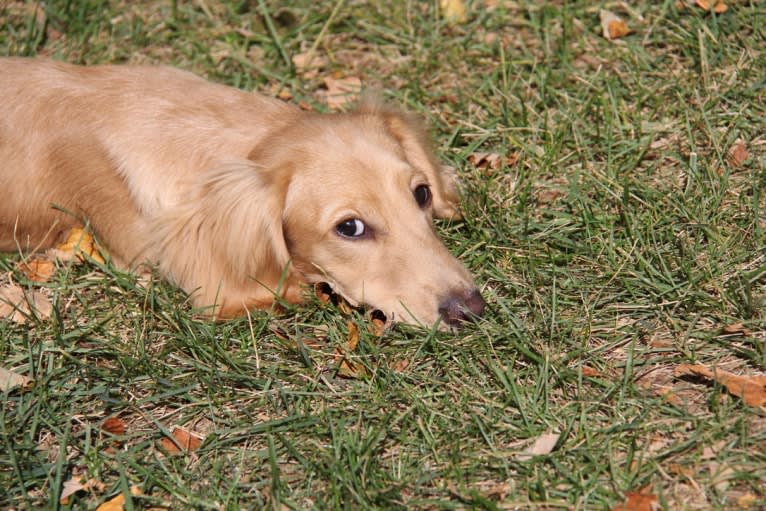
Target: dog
239, 199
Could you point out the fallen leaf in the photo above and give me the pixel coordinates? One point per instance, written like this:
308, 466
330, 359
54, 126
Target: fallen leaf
751, 389
736, 329
186, 440
10, 380
747, 500
398, 366
738, 153
719, 6
79, 243
379, 322
342, 91
353, 336
612, 26
19, 306
38, 268
720, 475
590, 372
453, 11
114, 425
308, 64
118, 503
76, 484
349, 368
638, 501
543, 444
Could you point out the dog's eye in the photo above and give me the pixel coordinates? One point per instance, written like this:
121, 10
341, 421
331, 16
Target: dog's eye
351, 228
422, 195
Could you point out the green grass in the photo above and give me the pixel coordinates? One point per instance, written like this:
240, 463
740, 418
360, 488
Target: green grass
619, 244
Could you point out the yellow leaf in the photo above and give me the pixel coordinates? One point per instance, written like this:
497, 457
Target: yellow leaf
77, 245
118, 502
453, 11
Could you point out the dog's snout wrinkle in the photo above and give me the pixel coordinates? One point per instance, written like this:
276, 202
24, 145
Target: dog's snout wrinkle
461, 306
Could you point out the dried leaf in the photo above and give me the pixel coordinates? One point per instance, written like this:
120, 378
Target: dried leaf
118, 502
718, 6
751, 389
747, 500
19, 306
76, 484
188, 441
38, 268
612, 26
349, 368
342, 91
453, 11
398, 366
543, 444
79, 243
114, 425
308, 64
638, 501
738, 153
736, 329
10, 380
590, 372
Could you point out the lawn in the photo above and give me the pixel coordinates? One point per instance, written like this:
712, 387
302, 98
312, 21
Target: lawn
614, 204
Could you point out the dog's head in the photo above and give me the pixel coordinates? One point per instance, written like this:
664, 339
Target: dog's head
359, 192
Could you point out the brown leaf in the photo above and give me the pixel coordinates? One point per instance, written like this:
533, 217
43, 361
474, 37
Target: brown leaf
590, 372
342, 91
349, 368
186, 440
736, 329
638, 501
308, 64
738, 153
751, 389
38, 268
18, 305
114, 425
398, 366
612, 26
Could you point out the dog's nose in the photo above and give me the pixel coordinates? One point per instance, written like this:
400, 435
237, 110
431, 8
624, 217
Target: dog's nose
461, 306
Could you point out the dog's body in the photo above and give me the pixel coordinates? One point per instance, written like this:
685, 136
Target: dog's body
235, 197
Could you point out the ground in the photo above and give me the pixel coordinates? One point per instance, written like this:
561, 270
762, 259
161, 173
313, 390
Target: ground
613, 194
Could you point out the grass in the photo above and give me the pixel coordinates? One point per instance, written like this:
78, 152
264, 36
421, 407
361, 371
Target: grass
620, 241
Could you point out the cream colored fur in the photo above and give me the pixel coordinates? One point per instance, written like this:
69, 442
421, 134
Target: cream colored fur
232, 195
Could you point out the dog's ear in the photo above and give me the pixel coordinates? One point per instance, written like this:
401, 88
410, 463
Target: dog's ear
409, 132
226, 236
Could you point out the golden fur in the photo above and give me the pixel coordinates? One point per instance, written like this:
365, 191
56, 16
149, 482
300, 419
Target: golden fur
234, 196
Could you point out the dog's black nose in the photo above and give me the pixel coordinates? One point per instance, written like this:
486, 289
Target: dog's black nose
461, 306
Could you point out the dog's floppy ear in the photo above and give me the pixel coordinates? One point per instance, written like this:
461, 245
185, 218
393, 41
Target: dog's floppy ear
226, 236
409, 132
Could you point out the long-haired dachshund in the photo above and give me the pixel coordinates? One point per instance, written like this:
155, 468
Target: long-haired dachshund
237, 198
